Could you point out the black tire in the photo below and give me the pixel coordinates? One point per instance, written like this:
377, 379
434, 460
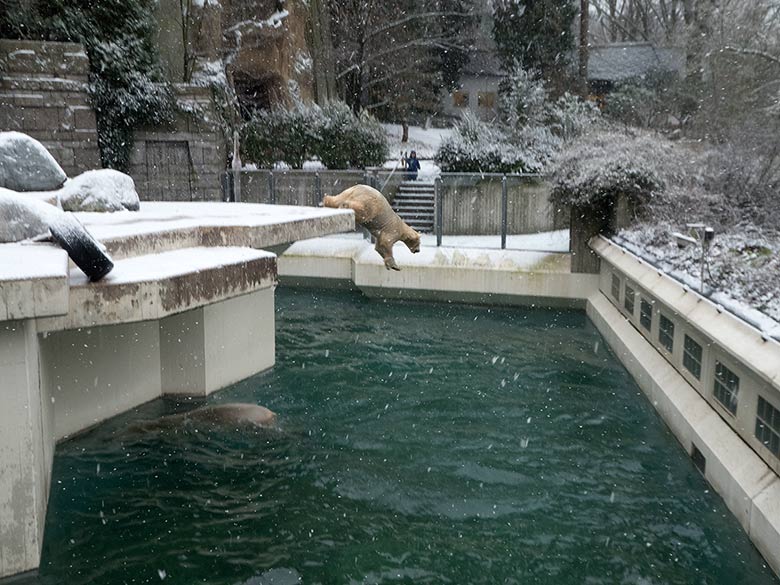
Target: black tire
83, 249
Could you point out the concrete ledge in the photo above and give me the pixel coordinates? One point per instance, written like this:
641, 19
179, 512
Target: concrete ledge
33, 281
152, 287
749, 487
469, 275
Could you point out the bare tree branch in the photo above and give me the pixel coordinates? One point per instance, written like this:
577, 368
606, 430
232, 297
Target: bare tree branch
753, 52
413, 17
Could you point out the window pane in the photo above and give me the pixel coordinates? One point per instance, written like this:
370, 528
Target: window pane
645, 314
692, 357
615, 287
726, 387
628, 300
666, 333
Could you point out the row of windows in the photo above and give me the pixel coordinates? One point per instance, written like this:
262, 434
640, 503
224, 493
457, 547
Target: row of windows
725, 386
485, 99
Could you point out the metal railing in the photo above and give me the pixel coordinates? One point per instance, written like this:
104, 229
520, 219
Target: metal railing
484, 204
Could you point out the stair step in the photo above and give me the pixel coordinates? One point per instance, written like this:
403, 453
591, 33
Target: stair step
428, 200
426, 191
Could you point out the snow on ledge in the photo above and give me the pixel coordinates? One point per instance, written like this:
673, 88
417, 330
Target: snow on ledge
155, 267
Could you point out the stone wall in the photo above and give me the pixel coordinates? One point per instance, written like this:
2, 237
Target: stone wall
43, 93
183, 162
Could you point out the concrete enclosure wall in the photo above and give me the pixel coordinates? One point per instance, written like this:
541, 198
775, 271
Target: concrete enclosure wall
676, 345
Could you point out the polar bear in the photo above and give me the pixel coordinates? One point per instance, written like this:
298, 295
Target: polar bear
373, 212
234, 415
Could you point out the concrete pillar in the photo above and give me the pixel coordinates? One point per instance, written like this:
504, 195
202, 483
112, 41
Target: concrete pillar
95, 373
26, 447
210, 347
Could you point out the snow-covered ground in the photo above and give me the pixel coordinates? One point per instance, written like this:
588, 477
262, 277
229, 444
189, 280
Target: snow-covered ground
743, 268
424, 141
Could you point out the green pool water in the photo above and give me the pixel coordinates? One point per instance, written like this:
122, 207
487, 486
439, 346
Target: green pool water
418, 443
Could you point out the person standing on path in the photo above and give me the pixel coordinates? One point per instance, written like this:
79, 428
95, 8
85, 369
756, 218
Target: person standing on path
412, 166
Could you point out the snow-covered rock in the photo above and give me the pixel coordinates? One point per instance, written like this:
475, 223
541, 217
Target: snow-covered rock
23, 217
26, 165
99, 190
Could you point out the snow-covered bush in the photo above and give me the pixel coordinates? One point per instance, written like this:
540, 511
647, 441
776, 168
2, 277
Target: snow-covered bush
291, 136
570, 116
334, 134
598, 167
633, 105
478, 147
522, 98
348, 141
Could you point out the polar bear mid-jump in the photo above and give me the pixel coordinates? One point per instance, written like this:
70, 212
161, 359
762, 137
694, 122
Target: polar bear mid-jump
373, 212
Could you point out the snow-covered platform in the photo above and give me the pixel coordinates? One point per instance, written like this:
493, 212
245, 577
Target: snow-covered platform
164, 226
463, 273
187, 309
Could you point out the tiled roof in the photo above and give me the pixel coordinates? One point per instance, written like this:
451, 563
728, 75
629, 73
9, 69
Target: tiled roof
618, 61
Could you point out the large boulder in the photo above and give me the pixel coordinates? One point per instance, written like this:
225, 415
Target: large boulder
23, 217
100, 190
25, 165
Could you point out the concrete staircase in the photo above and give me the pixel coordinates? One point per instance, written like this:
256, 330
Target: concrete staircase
414, 203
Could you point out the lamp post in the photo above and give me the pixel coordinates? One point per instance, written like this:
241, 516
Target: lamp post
700, 234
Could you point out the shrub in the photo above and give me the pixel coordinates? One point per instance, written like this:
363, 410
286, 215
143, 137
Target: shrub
334, 134
478, 147
349, 141
596, 168
291, 136
570, 116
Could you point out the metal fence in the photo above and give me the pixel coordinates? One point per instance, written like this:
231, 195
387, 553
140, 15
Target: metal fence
465, 204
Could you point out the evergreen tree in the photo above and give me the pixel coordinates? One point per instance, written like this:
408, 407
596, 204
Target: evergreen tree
536, 33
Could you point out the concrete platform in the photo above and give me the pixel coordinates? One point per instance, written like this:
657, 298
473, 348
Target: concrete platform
162, 226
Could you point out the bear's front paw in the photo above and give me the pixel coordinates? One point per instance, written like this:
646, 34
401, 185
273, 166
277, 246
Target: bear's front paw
390, 263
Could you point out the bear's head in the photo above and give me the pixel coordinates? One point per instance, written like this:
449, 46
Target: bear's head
411, 238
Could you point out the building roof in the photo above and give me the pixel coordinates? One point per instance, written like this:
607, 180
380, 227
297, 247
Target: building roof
619, 61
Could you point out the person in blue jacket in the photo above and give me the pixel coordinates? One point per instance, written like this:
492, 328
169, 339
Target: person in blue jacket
412, 166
